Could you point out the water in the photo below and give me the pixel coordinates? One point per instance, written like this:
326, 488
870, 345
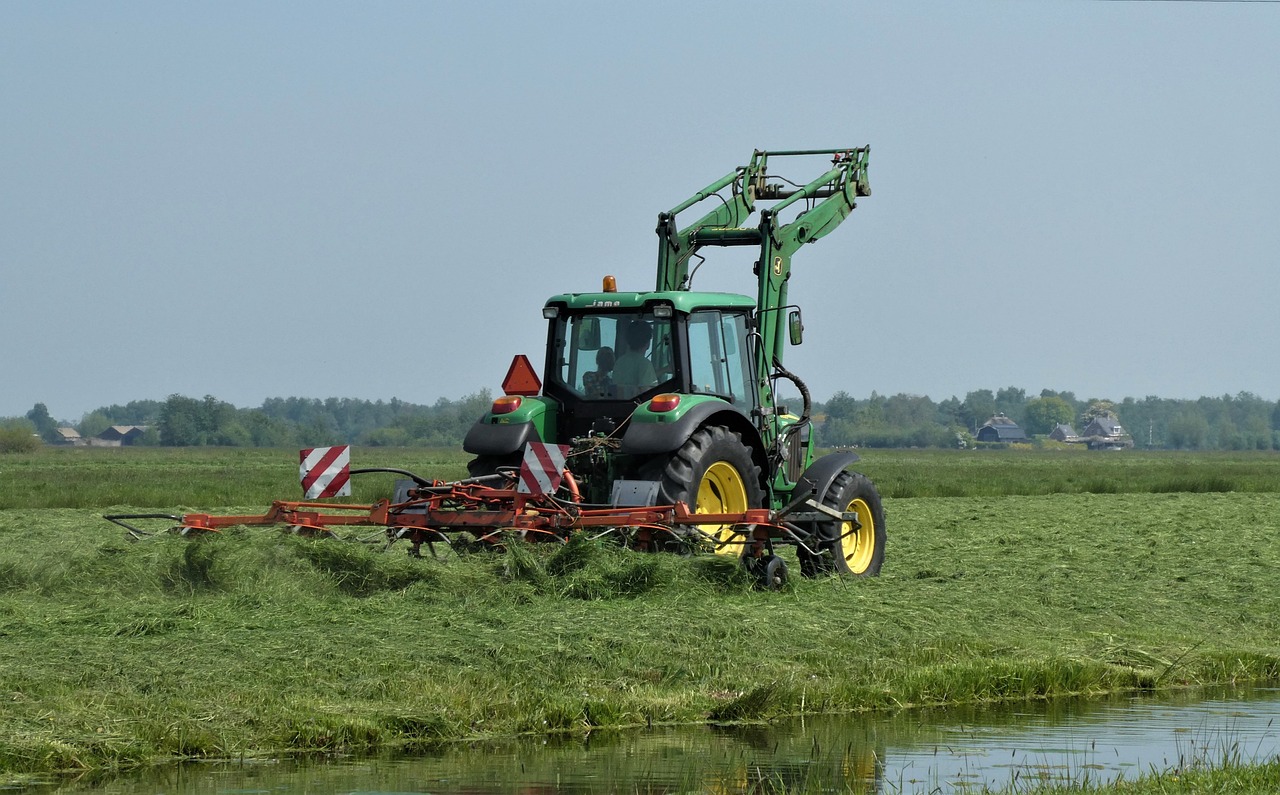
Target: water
1093, 741
936, 751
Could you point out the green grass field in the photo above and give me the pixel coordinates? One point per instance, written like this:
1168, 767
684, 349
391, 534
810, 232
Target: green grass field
208, 477
196, 477
115, 653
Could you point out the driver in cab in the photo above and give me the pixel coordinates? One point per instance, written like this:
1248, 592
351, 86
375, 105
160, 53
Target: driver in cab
633, 372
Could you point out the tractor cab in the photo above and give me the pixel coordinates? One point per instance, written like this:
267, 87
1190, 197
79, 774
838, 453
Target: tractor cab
609, 353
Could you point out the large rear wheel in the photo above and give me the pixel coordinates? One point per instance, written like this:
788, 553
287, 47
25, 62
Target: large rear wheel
713, 472
850, 548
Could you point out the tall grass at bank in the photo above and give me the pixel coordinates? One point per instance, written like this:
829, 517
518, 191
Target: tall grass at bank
1231, 778
116, 653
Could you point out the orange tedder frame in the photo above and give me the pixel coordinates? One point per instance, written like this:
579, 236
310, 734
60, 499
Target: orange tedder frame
431, 511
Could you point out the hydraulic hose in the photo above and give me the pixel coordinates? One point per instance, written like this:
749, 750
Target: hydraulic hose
779, 370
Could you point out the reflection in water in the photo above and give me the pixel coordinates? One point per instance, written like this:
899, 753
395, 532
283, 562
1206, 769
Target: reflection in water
1094, 741
911, 752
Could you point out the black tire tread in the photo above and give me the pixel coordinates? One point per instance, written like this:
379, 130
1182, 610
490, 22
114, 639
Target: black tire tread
843, 489
684, 469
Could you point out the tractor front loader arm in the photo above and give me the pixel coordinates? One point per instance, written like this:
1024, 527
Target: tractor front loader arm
834, 196
677, 246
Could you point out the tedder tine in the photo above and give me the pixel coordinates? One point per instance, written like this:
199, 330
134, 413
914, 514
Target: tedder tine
137, 533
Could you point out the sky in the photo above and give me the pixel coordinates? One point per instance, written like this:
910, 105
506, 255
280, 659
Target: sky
373, 200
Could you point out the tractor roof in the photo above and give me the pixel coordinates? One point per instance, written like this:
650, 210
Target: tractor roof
682, 300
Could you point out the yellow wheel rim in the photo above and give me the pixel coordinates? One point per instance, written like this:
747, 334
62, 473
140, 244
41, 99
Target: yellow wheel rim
721, 490
858, 547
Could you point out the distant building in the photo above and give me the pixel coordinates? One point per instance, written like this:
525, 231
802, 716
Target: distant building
119, 436
69, 437
1063, 432
1001, 429
1104, 432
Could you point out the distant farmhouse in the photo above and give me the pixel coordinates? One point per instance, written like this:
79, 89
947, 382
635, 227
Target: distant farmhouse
1001, 429
115, 436
1105, 433
1064, 433
69, 437
119, 436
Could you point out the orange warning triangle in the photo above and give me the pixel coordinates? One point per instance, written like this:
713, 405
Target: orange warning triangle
521, 378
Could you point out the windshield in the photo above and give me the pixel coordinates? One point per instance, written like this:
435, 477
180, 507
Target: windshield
614, 356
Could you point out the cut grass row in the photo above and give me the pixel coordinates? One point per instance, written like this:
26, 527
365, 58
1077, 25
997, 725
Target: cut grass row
116, 654
203, 477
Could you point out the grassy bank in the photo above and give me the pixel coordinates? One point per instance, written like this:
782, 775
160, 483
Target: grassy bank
114, 654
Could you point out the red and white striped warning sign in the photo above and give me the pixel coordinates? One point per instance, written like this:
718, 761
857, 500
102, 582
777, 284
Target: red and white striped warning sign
325, 471
542, 468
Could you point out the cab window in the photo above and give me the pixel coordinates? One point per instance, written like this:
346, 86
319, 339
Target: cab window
718, 360
614, 356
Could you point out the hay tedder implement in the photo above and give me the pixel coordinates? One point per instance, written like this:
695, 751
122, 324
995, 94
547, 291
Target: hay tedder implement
491, 510
656, 420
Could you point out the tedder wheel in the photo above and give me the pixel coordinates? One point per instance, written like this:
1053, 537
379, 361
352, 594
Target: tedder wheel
846, 548
714, 473
775, 573
770, 571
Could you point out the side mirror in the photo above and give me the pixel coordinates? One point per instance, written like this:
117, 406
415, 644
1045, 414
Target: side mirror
795, 328
589, 334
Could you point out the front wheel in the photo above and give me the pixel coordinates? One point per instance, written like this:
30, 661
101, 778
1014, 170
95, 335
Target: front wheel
850, 548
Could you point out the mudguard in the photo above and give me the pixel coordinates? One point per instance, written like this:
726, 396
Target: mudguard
487, 439
647, 438
818, 477
532, 420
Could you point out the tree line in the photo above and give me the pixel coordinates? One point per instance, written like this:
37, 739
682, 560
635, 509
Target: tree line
1230, 422
181, 421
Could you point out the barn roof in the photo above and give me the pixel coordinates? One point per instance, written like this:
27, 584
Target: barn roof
1006, 430
1007, 433
122, 431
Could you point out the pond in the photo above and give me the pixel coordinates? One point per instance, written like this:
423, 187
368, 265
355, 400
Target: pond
931, 751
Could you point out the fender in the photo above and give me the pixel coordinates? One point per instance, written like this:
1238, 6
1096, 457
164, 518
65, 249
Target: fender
487, 439
533, 420
818, 477
647, 438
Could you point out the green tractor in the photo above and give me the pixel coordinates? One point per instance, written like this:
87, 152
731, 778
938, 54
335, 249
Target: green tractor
669, 396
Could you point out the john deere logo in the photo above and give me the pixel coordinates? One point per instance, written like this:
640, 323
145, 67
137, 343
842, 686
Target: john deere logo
777, 266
